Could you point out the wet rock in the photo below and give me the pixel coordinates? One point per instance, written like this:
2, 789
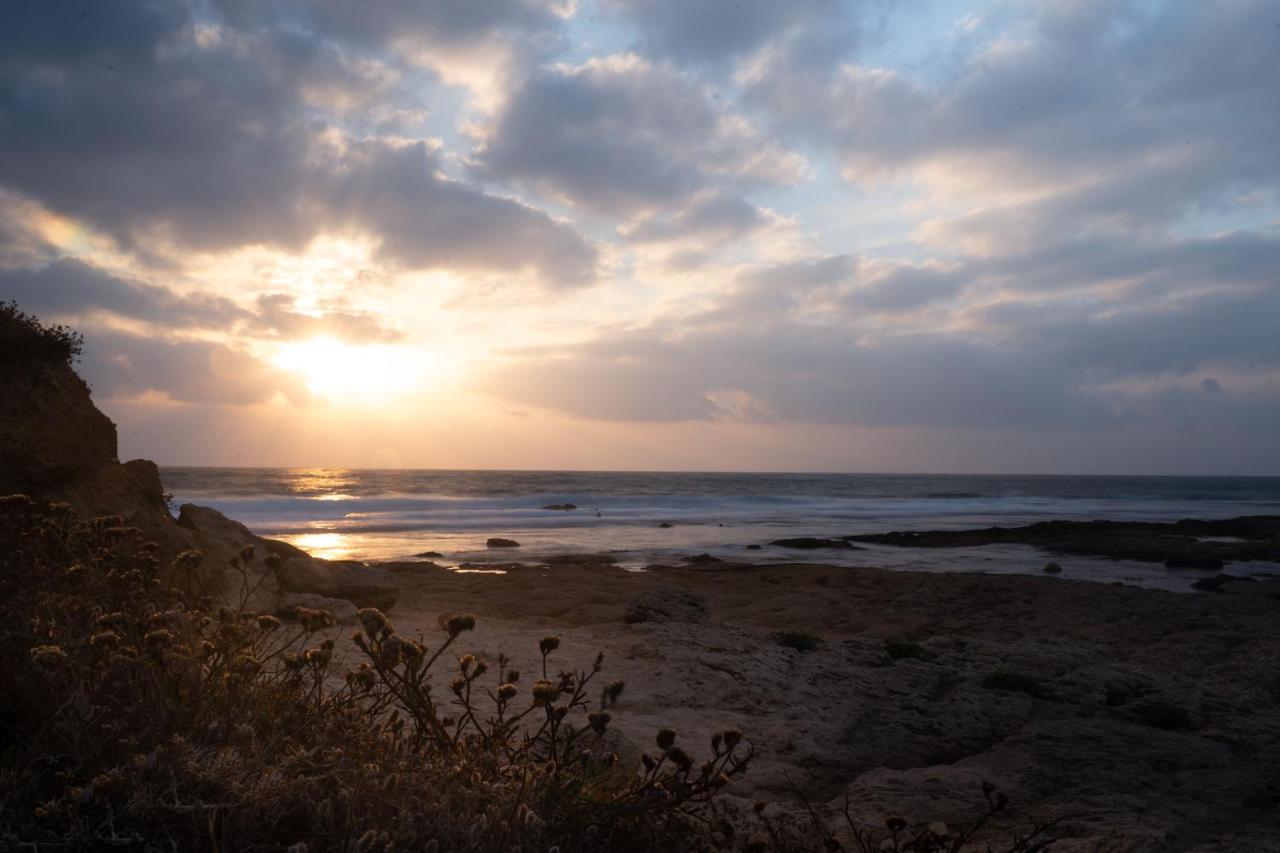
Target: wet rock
1189, 543
1215, 583
429, 555
1052, 568
499, 542
561, 507
666, 605
812, 543
666, 524
754, 547
703, 560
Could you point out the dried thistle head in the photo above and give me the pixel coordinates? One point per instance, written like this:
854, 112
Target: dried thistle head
465, 663
545, 692
372, 620
732, 738
456, 625
246, 553
267, 622
666, 738
506, 692
599, 721
680, 758
48, 656
549, 645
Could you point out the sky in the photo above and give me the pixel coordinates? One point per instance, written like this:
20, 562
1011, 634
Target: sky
938, 236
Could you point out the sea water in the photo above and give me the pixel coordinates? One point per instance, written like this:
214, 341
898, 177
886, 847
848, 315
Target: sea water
381, 515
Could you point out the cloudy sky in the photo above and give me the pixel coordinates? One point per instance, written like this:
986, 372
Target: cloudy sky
691, 234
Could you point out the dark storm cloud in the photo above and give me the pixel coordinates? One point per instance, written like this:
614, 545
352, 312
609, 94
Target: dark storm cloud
147, 118
622, 137
119, 365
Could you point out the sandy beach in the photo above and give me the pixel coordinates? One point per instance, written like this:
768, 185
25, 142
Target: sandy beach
919, 734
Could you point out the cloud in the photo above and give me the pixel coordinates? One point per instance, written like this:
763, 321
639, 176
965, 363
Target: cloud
626, 137
69, 286
123, 366
149, 123
717, 30
714, 217
1018, 144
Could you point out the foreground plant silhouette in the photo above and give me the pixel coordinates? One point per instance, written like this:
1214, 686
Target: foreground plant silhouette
144, 716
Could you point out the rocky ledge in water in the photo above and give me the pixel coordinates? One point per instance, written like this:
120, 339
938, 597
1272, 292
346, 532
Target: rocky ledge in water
1188, 543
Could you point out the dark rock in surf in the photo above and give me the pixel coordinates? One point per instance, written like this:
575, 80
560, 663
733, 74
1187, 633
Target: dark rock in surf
1052, 568
499, 542
811, 543
561, 507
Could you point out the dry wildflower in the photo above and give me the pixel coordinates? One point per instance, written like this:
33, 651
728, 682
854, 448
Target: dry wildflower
732, 738
48, 656
513, 675
459, 684
506, 692
666, 738
599, 721
611, 693
456, 625
373, 621
160, 638
246, 553
545, 692
465, 663
104, 640
549, 645
392, 647
188, 560
680, 758
267, 623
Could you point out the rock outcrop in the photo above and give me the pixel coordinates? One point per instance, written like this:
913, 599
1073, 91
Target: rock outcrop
363, 586
57, 445
666, 605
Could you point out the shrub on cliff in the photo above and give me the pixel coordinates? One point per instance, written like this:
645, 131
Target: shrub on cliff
25, 338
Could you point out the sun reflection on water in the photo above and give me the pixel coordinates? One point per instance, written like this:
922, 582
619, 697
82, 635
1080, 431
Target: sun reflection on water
327, 546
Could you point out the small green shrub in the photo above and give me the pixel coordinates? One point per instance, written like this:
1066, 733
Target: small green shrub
801, 641
1004, 679
1163, 715
25, 338
905, 650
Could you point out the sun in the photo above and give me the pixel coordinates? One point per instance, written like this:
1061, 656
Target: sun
347, 373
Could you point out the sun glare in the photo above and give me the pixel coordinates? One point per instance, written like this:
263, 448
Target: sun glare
344, 373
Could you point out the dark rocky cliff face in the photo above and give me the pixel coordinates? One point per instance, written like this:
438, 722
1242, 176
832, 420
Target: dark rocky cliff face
51, 433
55, 444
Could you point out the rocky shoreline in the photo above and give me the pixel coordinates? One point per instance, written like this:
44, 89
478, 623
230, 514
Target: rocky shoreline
1136, 719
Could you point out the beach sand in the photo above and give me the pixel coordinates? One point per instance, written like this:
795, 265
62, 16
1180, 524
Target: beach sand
1102, 748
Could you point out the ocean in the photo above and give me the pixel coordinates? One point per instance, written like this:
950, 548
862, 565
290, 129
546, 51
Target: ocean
383, 515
